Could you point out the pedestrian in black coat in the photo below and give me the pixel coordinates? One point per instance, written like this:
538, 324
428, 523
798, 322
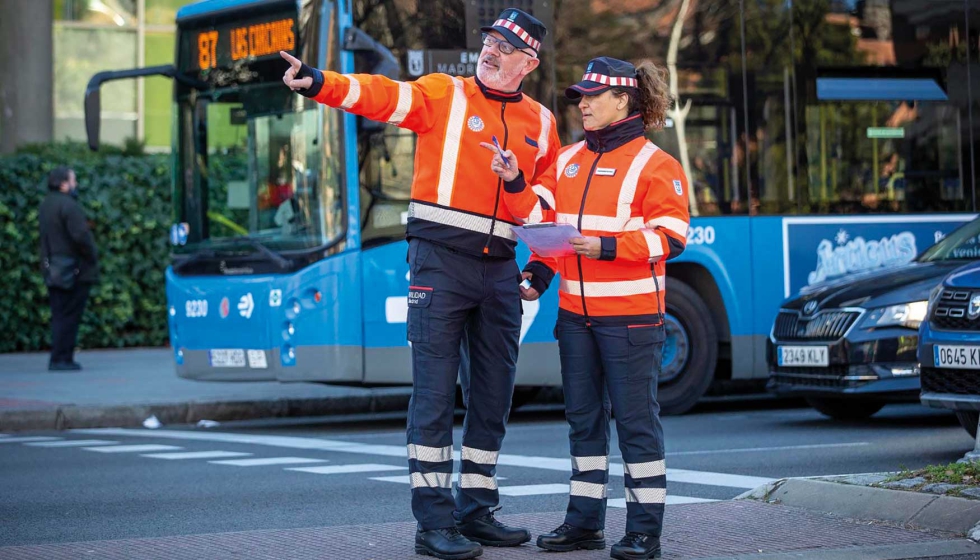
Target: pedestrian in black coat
69, 262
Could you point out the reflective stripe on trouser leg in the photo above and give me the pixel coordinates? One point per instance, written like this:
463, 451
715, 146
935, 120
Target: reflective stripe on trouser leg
631, 358
588, 418
434, 330
490, 344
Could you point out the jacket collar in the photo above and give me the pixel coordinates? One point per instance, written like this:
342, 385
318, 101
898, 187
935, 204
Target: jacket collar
502, 96
615, 135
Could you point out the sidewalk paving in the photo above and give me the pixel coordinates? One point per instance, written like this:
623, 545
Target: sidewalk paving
121, 388
736, 529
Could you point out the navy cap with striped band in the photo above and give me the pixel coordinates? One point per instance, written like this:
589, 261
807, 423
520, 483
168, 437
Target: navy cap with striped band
601, 74
520, 28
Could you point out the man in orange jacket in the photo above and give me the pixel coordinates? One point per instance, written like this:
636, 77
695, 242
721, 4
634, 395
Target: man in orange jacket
464, 279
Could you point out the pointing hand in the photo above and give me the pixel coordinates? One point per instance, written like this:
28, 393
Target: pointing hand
289, 78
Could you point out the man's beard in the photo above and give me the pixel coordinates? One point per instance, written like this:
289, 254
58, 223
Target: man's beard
495, 78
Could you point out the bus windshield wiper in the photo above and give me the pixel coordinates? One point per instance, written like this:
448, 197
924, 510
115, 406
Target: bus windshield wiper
213, 250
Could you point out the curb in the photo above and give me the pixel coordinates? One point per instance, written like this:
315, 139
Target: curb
911, 509
66, 417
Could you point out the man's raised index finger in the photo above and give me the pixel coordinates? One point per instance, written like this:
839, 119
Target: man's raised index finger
295, 62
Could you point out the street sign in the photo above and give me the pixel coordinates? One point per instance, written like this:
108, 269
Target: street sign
886, 132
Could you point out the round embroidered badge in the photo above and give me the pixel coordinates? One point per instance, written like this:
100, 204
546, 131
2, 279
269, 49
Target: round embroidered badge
571, 170
475, 123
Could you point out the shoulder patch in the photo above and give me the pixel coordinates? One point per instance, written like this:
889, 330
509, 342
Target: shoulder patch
678, 188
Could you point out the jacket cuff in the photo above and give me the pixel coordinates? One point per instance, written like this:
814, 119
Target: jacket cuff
542, 276
608, 252
309, 72
517, 185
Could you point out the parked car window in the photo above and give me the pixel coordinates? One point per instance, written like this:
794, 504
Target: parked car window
961, 244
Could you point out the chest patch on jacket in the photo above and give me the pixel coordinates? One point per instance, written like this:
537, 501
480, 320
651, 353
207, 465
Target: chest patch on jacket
571, 170
475, 123
605, 171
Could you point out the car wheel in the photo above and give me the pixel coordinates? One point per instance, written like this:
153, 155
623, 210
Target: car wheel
968, 419
690, 350
845, 409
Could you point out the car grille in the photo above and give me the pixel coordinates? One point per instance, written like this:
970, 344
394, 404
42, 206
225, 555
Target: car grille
832, 376
956, 381
826, 325
951, 312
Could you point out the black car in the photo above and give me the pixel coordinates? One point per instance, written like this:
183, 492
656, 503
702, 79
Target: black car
849, 346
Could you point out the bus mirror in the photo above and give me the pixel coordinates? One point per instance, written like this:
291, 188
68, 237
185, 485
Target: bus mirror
93, 110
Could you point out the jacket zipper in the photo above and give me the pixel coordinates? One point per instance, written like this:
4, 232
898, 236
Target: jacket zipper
581, 211
500, 183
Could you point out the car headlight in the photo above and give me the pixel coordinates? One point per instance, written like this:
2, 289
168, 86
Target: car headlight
909, 315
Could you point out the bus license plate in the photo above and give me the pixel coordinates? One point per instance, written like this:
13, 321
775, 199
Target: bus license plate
966, 357
227, 358
804, 356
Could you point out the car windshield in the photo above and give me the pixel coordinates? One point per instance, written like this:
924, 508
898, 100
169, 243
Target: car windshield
962, 244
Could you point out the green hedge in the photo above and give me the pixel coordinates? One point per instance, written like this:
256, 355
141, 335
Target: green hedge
126, 196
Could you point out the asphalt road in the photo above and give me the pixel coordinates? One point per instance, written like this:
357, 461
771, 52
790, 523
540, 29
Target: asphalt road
97, 484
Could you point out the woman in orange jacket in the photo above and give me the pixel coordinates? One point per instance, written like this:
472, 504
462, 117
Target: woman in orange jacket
628, 198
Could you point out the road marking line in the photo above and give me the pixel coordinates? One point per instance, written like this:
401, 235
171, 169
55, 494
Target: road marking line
196, 455
268, 461
344, 469
407, 479
72, 443
132, 448
755, 449
545, 463
27, 439
534, 489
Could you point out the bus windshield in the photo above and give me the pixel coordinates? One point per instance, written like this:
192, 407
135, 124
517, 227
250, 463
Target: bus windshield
962, 244
250, 166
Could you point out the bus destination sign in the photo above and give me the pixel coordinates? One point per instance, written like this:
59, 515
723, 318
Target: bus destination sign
220, 47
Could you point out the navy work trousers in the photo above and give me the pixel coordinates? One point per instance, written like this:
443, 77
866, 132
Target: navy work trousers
613, 367
457, 298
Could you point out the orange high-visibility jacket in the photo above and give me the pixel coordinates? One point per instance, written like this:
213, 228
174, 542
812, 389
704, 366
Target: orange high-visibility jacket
456, 199
634, 198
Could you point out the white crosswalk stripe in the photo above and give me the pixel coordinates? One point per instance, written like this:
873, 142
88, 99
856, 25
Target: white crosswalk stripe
346, 469
534, 489
28, 439
148, 448
72, 443
266, 461
196, 455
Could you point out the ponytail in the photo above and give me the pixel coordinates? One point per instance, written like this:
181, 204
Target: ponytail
652, 97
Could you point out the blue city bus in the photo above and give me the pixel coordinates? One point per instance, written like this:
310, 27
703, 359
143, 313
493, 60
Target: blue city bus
810, 155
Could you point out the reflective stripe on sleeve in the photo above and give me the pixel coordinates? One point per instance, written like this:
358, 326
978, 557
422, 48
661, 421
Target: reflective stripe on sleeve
544, 135
353, 92
404, 104
673, 224
654, 244
545, 195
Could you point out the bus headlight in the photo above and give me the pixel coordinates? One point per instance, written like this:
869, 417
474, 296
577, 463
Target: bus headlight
908, 315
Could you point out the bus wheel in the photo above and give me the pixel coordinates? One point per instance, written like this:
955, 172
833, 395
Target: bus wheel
690, 350
968, 419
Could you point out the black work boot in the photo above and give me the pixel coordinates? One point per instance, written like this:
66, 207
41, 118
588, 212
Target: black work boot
446, 543
636, 546
566, 538
488, 531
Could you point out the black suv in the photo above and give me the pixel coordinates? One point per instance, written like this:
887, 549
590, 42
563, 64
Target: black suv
849, 346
